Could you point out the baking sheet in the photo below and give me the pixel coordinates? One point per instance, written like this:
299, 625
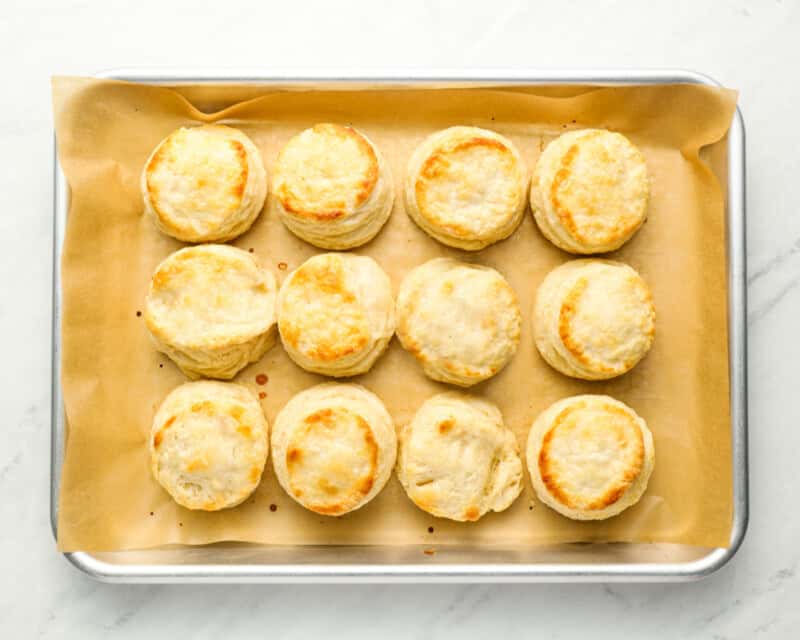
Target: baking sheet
113, 382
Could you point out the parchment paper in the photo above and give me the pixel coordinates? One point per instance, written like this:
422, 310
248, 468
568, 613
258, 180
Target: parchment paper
113, 379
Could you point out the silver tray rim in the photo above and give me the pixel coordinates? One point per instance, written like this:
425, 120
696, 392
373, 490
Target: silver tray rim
344, 572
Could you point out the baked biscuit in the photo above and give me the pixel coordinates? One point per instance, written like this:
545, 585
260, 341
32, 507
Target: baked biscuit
204, 184
593, 319
460, 321
466, 187
457, 459
336, 314
333, 447
333, 187
590, 191
590, 457
211, 309
208, 444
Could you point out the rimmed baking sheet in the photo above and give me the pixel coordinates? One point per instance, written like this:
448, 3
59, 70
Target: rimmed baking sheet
447, 545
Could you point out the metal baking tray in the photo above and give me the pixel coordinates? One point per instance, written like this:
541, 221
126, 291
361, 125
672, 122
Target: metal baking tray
234, 563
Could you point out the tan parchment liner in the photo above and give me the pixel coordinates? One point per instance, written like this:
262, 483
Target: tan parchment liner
113, 379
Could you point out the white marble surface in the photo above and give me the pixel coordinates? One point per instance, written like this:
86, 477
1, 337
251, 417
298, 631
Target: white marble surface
753, 46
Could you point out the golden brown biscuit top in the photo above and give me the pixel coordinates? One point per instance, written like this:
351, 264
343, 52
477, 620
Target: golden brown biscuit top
210, 295
607, 320
208, 444
197, 178
457, 458
320, 314
469, 185
332, 460
325, 173
461, 317
599, 190
591, 454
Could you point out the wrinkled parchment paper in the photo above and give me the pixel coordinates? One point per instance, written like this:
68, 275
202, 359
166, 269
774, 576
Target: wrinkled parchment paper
113, 379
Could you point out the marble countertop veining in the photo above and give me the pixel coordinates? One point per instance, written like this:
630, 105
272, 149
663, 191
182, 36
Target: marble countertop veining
749, 45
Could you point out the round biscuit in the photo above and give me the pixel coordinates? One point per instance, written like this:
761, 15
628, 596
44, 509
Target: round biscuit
590, 191
211, 309
208, 444
593, 319
336, 314
460, 321
333, 447
204, 184
466, 187
333, 187
590, 457
457, 459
